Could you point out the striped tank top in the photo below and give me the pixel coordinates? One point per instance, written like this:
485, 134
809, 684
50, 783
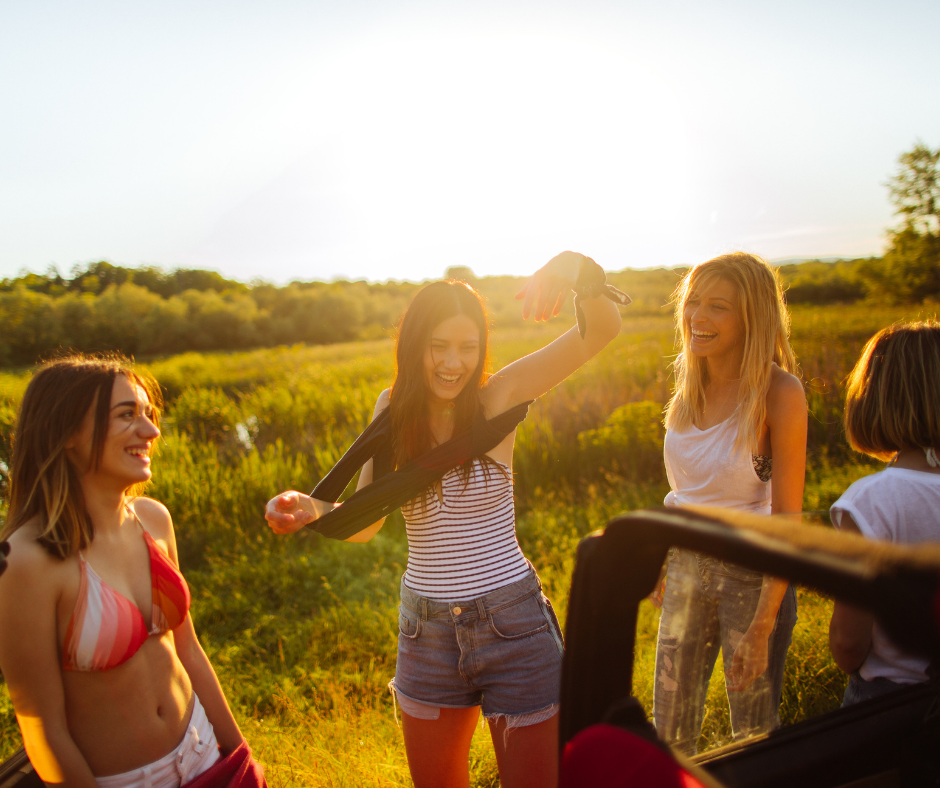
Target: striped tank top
462, 544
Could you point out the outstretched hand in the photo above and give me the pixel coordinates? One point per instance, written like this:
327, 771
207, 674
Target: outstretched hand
4, 552
550, 286
749, 662
290, 511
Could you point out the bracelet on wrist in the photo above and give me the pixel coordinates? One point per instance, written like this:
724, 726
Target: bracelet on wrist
592, 283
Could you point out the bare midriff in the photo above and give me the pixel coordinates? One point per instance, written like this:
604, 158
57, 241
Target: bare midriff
134, 714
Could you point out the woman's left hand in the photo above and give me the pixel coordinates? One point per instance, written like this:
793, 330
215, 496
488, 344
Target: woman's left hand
749, 661
550, 285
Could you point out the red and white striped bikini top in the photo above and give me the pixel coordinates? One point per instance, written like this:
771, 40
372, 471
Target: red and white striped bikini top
106, 628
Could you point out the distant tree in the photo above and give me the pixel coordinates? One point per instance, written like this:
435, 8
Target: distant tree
915, 189
910, 270
460, 272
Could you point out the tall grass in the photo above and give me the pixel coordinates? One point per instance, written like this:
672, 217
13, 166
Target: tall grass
302, 629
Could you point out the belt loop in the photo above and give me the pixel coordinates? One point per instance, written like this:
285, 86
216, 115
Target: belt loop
481, 608
424, 609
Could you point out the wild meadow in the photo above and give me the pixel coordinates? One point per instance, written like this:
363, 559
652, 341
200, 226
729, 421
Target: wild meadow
301, 630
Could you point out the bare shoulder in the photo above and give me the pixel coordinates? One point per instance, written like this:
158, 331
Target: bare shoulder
155, 517
381, 403
30, 569
785, 396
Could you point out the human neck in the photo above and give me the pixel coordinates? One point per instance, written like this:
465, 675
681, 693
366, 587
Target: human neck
105, 507
913, 459
724, 372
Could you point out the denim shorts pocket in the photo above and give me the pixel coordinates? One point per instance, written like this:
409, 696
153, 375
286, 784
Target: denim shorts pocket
519, 620
409, 625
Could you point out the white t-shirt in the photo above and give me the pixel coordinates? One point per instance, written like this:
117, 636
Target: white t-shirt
901, 506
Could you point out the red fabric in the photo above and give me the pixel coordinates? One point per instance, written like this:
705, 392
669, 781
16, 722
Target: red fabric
604, 756
236, 770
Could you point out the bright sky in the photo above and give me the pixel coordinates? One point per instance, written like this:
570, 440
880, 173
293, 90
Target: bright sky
307, 139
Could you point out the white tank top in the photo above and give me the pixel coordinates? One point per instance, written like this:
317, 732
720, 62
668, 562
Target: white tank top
465, 546
705, 468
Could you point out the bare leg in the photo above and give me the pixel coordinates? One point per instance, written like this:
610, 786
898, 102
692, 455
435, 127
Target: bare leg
439, 750
527, 757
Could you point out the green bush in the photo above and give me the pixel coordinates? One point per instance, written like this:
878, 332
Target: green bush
628, 445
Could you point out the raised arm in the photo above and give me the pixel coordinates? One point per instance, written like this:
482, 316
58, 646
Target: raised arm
544, 294
201, 675
30, 665
786, 422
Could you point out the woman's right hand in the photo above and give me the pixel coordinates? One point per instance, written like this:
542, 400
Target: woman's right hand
290, 511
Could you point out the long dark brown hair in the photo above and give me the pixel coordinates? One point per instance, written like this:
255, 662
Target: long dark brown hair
43, 481
408, 398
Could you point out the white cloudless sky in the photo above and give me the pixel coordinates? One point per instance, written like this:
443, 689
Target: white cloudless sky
313, 140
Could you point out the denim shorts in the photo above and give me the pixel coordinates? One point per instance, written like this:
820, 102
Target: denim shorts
501, 651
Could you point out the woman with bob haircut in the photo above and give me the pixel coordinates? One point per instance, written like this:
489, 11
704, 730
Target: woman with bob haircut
892, 412
108, 681
735, 438
474, 627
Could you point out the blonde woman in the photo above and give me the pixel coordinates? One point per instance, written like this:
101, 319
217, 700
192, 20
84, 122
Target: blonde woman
736, 438
108, 681
892, 412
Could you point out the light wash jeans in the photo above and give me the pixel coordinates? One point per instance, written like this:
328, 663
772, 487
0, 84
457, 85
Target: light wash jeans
708, 605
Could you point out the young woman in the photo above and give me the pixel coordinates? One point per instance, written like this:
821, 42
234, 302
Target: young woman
475, 629
109, 683
892, 411
736, 438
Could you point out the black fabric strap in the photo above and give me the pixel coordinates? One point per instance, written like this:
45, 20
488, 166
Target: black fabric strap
390, 489
592, 282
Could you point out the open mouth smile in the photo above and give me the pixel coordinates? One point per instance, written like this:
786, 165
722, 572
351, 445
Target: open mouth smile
703, 335
447, 380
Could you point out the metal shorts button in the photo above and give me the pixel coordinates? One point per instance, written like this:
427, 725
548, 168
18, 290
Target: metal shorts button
457, 611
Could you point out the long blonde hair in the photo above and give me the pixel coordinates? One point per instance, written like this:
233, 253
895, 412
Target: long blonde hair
43, 481
766, 322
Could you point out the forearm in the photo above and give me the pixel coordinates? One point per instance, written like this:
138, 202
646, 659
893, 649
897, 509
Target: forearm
850, 634
54, 755
603, 324
206, 686
771, 596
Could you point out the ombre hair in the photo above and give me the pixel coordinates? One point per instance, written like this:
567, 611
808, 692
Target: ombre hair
44, 483
408, 398
766, 323
892, 398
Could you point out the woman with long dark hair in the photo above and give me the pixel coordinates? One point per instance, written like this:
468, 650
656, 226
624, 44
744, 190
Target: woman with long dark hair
108, 681
735, 438
475, 629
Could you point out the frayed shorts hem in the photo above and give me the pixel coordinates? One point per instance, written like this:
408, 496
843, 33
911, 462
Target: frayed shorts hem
423, 710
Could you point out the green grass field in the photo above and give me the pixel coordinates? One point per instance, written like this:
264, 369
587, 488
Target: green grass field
301, 629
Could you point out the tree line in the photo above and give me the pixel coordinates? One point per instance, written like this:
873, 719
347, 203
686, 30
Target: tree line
147, 311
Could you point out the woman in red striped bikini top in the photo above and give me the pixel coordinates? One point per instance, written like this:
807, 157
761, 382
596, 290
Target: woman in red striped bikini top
109, 683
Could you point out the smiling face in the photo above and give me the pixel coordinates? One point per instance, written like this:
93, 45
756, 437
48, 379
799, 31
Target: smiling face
125, 455
713, 321
451, 357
